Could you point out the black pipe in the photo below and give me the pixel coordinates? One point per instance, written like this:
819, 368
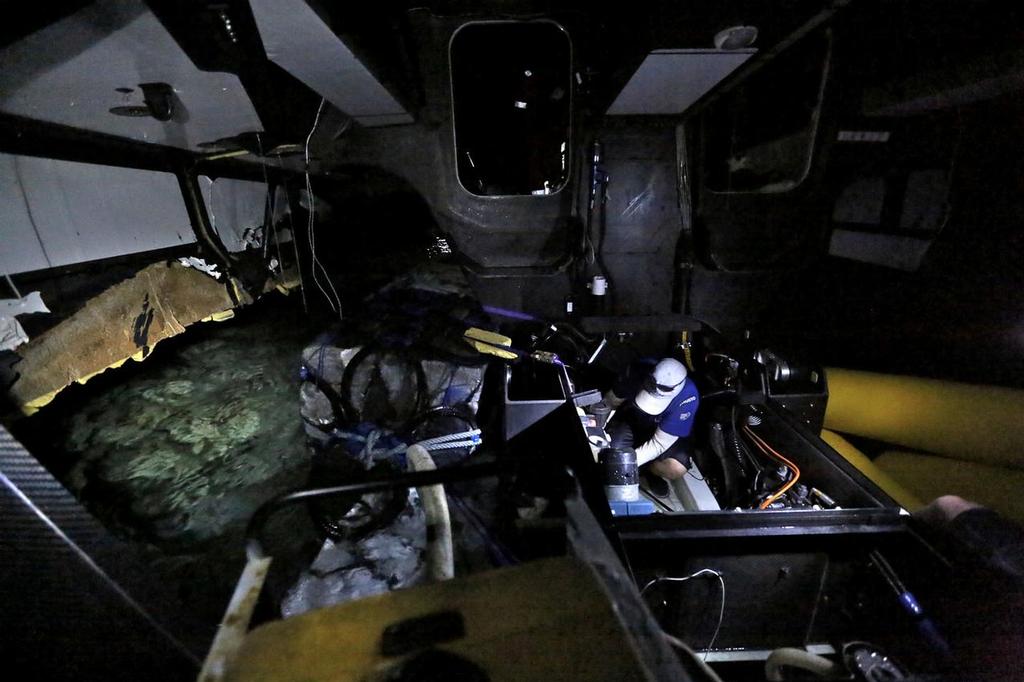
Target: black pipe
29, 137
188, 181
254, 545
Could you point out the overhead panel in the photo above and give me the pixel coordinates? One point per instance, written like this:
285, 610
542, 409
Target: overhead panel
670, 81
297, 40
76, 70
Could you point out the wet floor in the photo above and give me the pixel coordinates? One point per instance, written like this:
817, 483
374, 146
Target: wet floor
177, 452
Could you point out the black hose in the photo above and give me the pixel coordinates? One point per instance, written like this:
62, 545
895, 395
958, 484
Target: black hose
253, 532
345, 394
728, 481
741, 446
337, 404
331, 515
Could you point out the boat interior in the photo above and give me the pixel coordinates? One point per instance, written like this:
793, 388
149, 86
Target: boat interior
315, 319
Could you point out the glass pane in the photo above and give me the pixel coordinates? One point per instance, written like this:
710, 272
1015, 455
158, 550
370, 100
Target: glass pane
759, 138
511, 92
236, 209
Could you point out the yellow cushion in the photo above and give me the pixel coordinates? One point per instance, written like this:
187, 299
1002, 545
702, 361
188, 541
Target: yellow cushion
928, 477
542, 620
983, 424
891, 486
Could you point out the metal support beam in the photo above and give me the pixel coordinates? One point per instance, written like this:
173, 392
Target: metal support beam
29, 137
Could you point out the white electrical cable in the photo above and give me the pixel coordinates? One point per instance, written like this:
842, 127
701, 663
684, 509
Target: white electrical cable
701, 572
291, 223
803, 660
209, 209
271, 207
680, 644
10, 283
334, 302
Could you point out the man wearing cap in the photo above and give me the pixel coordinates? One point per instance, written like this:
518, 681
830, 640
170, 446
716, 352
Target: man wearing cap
654, 411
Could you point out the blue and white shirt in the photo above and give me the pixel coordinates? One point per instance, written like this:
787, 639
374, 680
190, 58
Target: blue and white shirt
675, 420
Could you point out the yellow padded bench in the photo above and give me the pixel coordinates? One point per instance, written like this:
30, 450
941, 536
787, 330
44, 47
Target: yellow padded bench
948, 437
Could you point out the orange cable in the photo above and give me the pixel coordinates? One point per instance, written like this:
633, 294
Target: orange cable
761, 443
766, 449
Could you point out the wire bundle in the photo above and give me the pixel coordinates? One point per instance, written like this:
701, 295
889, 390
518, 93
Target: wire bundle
710, 572
774, 454
333, 299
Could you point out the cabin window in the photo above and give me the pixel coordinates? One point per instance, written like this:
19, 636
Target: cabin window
237, 210
511, 105
760, 137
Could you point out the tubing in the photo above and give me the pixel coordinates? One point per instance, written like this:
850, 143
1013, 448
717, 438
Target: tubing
464, 472
798, 658
440, 555
963, 421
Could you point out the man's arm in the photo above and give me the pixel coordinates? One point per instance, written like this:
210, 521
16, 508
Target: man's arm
659, 443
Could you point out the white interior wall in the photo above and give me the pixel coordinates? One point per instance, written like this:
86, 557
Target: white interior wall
55, 213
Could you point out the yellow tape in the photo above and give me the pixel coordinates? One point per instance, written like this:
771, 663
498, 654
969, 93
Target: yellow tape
489, 342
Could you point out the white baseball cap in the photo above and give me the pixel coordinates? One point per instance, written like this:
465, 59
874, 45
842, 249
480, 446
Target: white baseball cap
662, 386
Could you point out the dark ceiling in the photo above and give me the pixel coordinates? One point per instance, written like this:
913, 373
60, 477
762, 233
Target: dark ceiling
888, 41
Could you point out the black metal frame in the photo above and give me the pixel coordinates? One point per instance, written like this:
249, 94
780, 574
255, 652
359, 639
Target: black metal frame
254, 544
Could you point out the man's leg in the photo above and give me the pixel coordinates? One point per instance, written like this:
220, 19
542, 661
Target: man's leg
668, 468
673, 463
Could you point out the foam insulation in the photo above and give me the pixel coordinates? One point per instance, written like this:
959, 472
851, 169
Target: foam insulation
297, 40
68, 73
55, 213
123, 323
